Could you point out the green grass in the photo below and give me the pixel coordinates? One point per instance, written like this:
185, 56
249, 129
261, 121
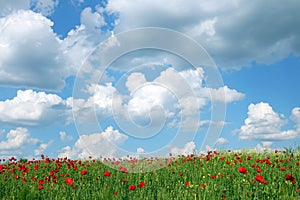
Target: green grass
211, 176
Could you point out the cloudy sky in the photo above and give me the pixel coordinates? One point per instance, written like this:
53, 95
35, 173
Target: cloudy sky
87, 77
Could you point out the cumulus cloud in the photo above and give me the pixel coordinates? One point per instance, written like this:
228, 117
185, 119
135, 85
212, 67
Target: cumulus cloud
16, 142
263, 123
99, 102
221, 141
42, 148
64, 137
233, 32
30, 108
31, 54
7, 7
295, 116
186, 150
97, 144
45, 7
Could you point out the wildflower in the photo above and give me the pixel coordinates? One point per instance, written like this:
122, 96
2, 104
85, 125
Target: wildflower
83, 172
69, 181
242, 170
141, 184
106, 173
131, 187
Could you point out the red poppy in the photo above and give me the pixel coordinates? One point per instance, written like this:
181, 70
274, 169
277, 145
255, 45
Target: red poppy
83, 172
213, 176
36, 167
115, 193
260, 179
124, 169
40, 187
202, 186
242, 170
282, 168
290, 178
106, 173
40, 182
69, 181
124, 180
131, 187
142, 184
187, 183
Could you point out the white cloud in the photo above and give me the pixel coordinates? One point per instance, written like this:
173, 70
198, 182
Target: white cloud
233, 32
64, 137
31, 54
135, 80
221, 141
8, 7
17, 142
42, 148
295, 116
186, 150
30, 108
226, 95
45, 7
263, 123
99, 102
97, 144
92, 20
140, 150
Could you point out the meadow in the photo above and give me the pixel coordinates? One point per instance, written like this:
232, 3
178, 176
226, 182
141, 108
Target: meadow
215, 175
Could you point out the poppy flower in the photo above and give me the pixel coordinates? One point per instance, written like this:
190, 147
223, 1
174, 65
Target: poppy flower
40, 182
106, 173
115, 193
124, 169
69, 181
40, 187
83, 172
242, 170
282, 168
142, 184
202, 186
290, 178
188, 184
213, 176
131, 187
260, 179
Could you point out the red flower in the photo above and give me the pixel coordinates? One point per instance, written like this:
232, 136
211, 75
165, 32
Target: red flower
290, 178
260, 179
242, 170
131, 187
282, 168
180, 174
124, 169
202, 186
259, 170
187, 183
124, 180
40, 187
142, 184
40, 182
115, 193
69, 181
83, 172
106, 173
213, 176
36, 167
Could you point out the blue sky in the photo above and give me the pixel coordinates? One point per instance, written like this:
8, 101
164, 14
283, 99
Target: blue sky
57, 98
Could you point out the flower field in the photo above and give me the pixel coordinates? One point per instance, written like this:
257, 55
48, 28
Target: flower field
216, 175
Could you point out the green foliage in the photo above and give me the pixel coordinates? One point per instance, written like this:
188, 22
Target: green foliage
224, 175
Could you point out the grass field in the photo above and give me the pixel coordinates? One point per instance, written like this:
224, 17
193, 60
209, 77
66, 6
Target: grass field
216, 175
